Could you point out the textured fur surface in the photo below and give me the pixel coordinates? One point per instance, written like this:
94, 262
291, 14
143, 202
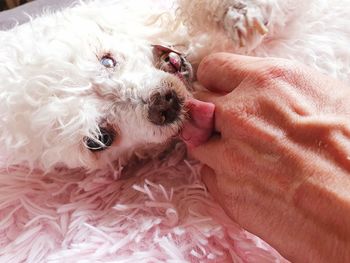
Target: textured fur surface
60, 202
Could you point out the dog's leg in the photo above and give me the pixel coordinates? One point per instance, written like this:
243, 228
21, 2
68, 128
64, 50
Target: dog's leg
246, 22
243, 22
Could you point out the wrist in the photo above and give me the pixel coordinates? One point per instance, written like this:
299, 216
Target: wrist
323, 203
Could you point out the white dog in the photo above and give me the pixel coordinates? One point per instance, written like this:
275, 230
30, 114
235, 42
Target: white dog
96, 82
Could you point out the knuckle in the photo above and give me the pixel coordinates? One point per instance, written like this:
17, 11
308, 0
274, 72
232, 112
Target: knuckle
277, 70
205, 67
211, 59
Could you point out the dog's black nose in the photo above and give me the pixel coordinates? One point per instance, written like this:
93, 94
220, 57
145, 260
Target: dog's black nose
164, 108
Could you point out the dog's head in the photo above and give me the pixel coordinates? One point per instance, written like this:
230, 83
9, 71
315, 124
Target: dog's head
79, 94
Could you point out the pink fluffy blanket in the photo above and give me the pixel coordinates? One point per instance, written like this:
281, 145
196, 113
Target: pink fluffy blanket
161, 213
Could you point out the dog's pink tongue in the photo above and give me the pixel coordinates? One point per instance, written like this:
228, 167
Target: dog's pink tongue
200, 125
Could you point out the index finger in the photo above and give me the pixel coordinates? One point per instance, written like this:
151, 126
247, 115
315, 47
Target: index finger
223, 72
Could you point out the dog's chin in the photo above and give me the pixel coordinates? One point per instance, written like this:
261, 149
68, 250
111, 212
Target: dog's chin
167, 136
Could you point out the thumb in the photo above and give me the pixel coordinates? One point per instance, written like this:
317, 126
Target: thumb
223, 72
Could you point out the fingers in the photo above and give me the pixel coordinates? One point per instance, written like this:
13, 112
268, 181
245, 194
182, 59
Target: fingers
223, 72
210, 152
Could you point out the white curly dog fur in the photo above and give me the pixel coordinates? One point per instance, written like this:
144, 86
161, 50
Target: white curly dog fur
78, 87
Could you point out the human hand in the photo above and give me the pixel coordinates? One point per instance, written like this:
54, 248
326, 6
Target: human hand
280, 163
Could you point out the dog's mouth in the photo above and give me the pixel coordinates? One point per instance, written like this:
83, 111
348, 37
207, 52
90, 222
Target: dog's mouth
197, 129
174, 62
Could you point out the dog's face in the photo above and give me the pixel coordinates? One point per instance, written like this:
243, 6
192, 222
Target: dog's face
85, 98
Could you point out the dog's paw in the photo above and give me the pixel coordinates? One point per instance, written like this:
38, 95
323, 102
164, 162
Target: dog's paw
244, 24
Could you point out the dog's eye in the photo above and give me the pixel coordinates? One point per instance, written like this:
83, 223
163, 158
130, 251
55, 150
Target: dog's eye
171, 62
108, 61
104, 140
